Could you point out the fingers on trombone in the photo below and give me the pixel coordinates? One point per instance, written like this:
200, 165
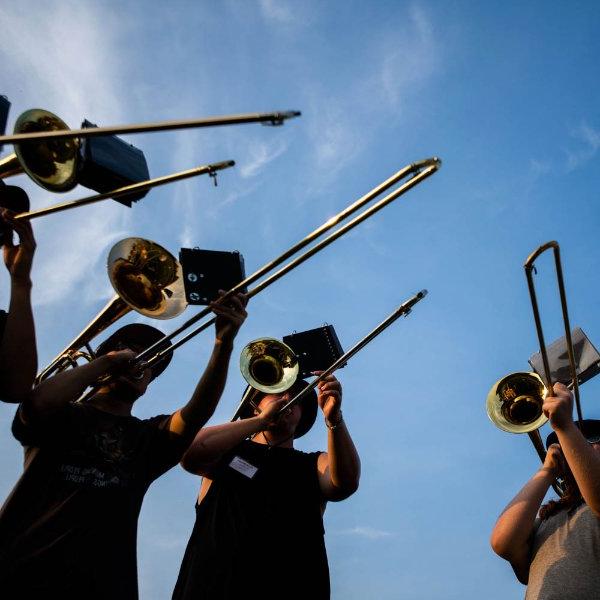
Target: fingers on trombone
229, 312
234, 306
238, 301
21, 227
330, 383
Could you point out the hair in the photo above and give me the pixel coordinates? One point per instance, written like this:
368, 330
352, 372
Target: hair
571, 499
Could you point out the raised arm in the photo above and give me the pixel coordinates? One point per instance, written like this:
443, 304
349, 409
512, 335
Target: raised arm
512, 535
57, 391
211, 443
201, 406
339, 468
18, 352
582, 459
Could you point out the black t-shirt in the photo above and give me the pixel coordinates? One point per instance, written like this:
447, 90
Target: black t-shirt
259, 530
3, 317
69, 528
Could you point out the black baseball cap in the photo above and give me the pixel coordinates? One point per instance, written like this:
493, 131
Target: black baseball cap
138, 336
13, 197
590, 428
308, 404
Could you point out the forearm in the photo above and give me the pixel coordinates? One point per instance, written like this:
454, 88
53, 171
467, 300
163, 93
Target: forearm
211, 443
512, 532
18, 352
57, 391
203, 402
344, 462
584, 463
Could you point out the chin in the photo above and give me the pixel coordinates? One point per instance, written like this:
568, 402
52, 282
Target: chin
128, 391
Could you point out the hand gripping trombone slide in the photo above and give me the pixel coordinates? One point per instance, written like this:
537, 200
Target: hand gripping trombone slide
402, 311
416, 172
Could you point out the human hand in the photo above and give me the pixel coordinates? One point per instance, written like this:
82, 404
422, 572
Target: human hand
120, 360
230, 316
18, 259
558, 407
330, 398
554, 461
269, 414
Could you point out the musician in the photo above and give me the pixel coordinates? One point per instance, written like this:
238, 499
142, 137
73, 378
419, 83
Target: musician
18, 354
557, 555
259, 515
68, 530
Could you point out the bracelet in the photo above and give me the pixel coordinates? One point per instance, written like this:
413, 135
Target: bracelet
335, 425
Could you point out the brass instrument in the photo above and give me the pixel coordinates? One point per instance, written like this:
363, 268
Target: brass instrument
49, 152
514, 403
53, 164
269, 365
60, 131
416, 173
147, 278
280, 356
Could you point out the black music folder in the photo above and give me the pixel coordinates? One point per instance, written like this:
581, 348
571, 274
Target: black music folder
587, 359
316, 349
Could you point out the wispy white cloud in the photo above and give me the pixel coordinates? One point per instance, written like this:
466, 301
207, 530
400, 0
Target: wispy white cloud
400, 61
261, 154
589, 139
367, 532
409, 58
278, 11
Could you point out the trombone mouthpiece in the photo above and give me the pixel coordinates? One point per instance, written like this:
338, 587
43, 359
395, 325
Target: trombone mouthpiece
222, 165
290, 114
278, 118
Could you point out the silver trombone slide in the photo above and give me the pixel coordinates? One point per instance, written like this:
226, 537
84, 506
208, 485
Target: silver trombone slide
418, 171
273, 118
403, 310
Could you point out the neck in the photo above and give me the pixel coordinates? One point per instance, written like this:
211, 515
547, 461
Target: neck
283, 439
105, 399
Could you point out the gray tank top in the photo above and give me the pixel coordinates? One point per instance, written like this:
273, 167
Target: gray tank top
565, 562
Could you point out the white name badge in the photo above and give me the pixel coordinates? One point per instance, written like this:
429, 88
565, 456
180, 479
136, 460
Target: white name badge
244, 467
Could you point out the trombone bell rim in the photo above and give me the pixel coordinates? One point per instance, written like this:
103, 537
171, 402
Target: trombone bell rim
495, 404
285, 363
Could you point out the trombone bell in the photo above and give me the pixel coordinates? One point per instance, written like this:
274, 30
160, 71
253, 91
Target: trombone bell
147, 277
52, 164
269, 365
514, 403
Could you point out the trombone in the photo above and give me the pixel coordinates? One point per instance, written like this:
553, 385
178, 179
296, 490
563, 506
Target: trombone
270, 366
415, 172
60, 131
147, 278
49, 152
514, 403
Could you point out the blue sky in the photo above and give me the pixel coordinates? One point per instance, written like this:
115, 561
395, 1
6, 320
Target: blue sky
506, 94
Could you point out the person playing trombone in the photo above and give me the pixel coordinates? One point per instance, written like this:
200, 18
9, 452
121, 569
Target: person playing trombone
18, 352
557, 554
261, 502
68, 529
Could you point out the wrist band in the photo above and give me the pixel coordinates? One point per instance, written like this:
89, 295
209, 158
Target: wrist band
335, 425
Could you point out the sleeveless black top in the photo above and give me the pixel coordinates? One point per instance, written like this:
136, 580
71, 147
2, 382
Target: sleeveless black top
259, 530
